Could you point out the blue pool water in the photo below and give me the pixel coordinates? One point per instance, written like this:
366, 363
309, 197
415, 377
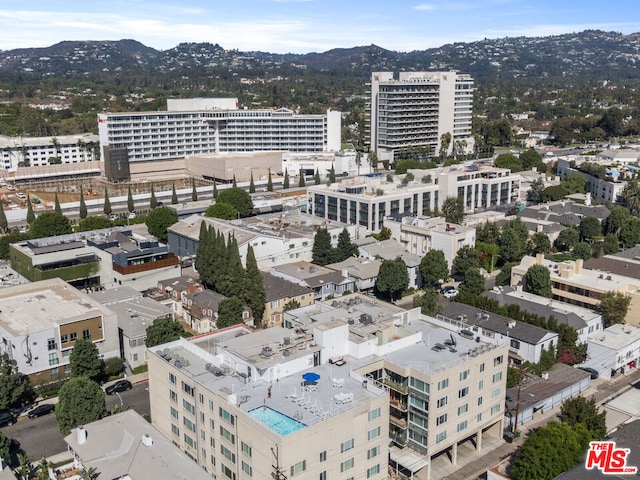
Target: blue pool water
276, 421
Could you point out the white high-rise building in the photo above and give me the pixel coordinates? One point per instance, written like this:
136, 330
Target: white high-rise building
417, 109
214, 128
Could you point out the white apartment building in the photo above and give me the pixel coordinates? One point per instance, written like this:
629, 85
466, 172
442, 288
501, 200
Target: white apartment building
36, 151
417, 108
368, 200
179, 133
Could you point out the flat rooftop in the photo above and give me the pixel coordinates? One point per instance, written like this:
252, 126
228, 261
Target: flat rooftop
38, 306
616, 337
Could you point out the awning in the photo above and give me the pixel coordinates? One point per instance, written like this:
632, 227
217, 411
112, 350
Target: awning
408, 460
516, 357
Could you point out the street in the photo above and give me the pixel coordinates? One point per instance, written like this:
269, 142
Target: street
41, 436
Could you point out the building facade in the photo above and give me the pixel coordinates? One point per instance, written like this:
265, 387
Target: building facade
417, 109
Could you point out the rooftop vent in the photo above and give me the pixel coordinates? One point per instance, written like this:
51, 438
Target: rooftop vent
266, 351
147, 441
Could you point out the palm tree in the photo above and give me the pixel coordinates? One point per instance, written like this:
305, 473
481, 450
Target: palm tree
24, 470
631, 195
445, 142
88, 474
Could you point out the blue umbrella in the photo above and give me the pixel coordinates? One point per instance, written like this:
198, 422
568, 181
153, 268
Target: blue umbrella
311, 377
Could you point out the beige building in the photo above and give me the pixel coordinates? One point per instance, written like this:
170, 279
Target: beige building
574, 284
41, 321
278, 293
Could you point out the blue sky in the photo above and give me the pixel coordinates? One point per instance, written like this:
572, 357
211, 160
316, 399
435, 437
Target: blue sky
302, 26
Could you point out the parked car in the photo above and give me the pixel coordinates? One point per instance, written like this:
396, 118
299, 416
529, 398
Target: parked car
450, 292
7, 418
594, 373
113, 217
132, 215
119, 386
40, 410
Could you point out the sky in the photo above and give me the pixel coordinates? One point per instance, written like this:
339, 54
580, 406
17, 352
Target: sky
303, 26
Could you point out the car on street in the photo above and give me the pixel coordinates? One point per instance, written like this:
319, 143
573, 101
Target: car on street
6, 418
41, 410
113, 217
449, 291
592, 371
119, 386
132, 215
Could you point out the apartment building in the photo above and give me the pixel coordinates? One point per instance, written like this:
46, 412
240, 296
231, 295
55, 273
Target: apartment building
41, 321
614, 350
368, 200
417, 109
280, 293
203, 130
572, 283
238, 404
37, 151
602, 189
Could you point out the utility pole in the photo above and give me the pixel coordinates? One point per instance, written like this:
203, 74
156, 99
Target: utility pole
515, 425
277, 473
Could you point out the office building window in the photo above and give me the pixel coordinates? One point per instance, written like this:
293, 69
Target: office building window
462, 426
373, 433
347, 465
323, 456
463, 392
373, 452
442, 402
51, 344
246, 468
298, 468
64, 338
226, 416
86, 335
441, 436
346, 446
497, 377
373, 414
464, 375
443, 384
246, 449
462, 409
441, 419
373, 470
172, 378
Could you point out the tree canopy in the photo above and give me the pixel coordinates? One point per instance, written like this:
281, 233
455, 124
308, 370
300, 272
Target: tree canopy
585, 411
239, 198
158, 220
466, 258
230, 312
538, 281
393, 278
85, 360
428, 302
163, 330
453, 210
345, 248
254, 293
49, 224
322, 252
94, 222
614, 307
433, 267
12, 387
225, 211
80, 401
474, 282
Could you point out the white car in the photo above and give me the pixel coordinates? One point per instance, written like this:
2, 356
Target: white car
450, 293
132, 215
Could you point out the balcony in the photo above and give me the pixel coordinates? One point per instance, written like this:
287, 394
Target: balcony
404, 389
398, 421
398, 405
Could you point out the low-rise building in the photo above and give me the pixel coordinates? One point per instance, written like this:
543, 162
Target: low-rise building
390, 250
201, 310
172, 292
613, 351
324, 281
280, 293
41, 321
363, 270
126, 446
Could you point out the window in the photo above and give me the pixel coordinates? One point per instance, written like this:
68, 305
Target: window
246, 449
53, 358
463, 392
246, 468
462, 426
227, 472
495, 409
497, 361
73, 336
190, 441
211, 405
462, 409
64, 338
373, 452
373, 414
226, 416
442, 402
346, 465
175, 430
443, 384
441, 419
479, 417
480, 384
172, 378
323, 456
174, 412
51, 344
346, 446
479, 401
373, 470
464, 375
515, 344
188, 407
496, 393
482, 367
189, 424
373, 433
298, 468
86, 335
201, 398
441, 436
323, 475
228, 454
173, 396
226, 434
188, 389
497, 377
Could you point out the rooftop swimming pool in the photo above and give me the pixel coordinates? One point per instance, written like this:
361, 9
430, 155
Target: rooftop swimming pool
276, 421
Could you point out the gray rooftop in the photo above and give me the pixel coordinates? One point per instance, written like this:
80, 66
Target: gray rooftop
358, 267
277, 288
390, 250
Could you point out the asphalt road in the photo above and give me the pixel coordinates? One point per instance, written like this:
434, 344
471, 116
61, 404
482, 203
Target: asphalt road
41, 436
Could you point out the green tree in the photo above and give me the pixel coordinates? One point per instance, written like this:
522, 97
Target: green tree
234, 184
4, 224
574, 183
530, 159
487, 255
56, 204
163, 330
553, 193
453, 210
194, 191
83, 205
510, 161
474, 283
539, 243
610, 244
428, 302
466, 258
513, 377
84, 360
215, 190
616, 219
12, 387
433, 267
49, 224
25, 468
9, 238
567, 239
252, 186
630, 232
159, 220
106, 208
269, 183
631, 196
230, 312
302, 182
30, 215
80, 401
614, 307
285, 182
512, 246
580, 410
113, 366
504, 277
393, 278
153, 201
93, 222
332, 175
582, 250
254, 294
538, 281
225, 211
534, 194
346, 248
590, 228
239, 198
291, 305
316, 178
174, 194
322, 252
549, 451
5, 447
130, 206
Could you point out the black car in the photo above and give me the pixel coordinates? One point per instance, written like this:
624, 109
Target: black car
594, 373
119, 386
40, 410
7, 418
